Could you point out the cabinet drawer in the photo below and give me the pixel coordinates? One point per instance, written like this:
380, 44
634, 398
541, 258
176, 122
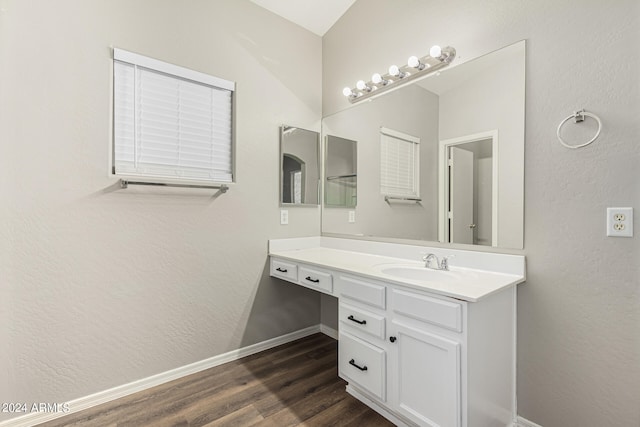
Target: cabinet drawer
362, 320
446, 314
316, 279
284, 270
363, 364
363, 291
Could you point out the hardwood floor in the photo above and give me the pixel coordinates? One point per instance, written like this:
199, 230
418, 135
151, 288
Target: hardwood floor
295, 384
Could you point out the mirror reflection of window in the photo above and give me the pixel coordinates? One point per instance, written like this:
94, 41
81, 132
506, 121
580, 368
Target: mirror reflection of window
399, 164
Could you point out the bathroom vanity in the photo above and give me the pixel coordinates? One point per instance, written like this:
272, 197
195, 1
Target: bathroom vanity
421, 346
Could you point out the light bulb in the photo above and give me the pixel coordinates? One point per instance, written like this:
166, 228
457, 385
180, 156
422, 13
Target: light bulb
347, 92
414, 62
361, 85
377, 79
435, 51
395, 72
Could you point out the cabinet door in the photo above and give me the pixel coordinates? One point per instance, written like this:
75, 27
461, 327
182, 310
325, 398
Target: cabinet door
425, 376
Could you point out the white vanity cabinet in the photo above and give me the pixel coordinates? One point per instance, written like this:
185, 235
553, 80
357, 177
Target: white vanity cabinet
410, 353
404, 355
415, 351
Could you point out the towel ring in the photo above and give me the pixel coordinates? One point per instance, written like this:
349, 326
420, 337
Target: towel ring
579, 117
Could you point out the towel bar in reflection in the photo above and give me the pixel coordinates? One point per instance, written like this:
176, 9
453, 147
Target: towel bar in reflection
409, 199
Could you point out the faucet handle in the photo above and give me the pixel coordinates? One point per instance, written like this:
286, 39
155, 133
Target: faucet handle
444, 264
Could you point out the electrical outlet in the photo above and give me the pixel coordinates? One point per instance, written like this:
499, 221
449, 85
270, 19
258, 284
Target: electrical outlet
352, 216
619, 216
284, 217
620, 222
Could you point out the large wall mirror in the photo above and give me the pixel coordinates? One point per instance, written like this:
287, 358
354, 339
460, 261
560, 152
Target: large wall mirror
457, 140
299, 166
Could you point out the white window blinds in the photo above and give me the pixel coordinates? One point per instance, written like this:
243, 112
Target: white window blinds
399, 164
171, 122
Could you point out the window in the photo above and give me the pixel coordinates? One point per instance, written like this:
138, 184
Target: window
399, 164
170, 122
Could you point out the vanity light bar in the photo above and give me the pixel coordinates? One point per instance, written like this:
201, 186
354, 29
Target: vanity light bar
416, 67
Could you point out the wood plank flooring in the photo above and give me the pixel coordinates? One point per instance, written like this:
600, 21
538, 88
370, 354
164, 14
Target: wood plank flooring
295, 384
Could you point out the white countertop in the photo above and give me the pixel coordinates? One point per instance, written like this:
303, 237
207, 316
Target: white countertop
474, 284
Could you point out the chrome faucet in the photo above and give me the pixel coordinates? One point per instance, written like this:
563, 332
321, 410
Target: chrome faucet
443, 265
427, 260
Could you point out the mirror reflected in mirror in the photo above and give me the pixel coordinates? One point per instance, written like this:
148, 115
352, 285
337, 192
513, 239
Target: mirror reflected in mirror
459, 156
341, 174
299, 166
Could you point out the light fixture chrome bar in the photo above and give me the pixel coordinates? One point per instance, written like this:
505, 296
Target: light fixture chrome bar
410, 199
124, 183
426, 65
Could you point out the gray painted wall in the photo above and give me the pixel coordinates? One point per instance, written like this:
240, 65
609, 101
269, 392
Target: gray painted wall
579, 312
103, 287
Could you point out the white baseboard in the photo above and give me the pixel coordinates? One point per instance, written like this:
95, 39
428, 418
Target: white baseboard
101, 397
523, 422
333, 333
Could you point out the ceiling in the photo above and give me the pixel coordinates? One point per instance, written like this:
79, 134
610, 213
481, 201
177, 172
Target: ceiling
316, 16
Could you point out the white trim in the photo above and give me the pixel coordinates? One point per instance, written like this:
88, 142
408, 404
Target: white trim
330, 332
443, 179
105, 396
175, 70
523, 422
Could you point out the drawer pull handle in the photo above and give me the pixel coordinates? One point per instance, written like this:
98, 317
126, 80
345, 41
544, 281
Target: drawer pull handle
359, 322
312, 280
281, 270
392, 339
353, 363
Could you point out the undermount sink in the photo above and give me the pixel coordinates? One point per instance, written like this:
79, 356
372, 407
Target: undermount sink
419, 272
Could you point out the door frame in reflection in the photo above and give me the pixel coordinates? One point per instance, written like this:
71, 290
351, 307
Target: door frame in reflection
444, 182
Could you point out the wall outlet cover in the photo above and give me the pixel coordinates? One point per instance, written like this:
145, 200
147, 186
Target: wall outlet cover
352, 216
284, 217
620, 222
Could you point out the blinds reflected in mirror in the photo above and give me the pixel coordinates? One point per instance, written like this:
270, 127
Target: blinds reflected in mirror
399, 164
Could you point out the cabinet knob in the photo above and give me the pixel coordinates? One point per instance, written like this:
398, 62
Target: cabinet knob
392, 339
